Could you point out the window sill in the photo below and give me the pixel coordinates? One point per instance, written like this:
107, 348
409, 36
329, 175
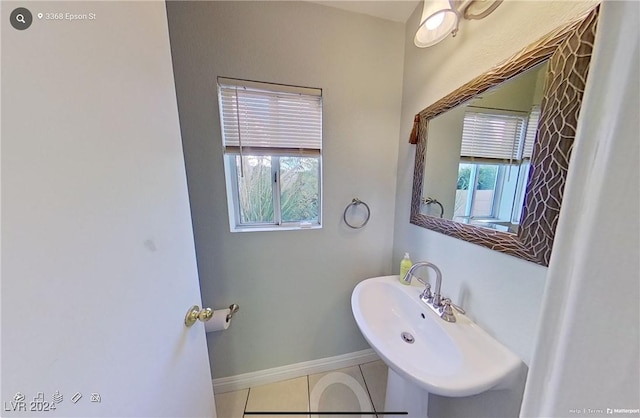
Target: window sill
274, 228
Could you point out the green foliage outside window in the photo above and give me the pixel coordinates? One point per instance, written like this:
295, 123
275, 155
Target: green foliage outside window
299, 188
487, 176
299, 184
255, 189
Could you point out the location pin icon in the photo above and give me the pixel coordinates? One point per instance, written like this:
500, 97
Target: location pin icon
39, 15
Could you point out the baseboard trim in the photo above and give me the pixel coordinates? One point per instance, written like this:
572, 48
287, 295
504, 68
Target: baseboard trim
291, 371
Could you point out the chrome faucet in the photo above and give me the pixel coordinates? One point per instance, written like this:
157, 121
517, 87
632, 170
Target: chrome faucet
443, 307
436, 298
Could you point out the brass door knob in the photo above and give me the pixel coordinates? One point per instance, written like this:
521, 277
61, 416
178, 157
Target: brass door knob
195, 313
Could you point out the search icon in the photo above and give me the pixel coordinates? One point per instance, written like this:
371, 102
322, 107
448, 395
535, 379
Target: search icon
21, 18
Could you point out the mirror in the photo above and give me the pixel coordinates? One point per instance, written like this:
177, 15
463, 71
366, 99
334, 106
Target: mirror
478, 156
490, 163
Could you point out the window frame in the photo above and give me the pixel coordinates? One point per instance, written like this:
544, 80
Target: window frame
233, 193
522, 167
231, 166
471, 191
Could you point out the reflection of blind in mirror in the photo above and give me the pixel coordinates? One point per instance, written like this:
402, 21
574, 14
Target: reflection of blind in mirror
493, 136
532, 131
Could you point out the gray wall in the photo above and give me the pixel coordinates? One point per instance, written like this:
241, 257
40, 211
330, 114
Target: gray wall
293, 287
443, 160
501, 293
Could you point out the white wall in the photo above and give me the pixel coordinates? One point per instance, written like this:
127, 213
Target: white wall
293, 287
98, 261
501, 293
587, 355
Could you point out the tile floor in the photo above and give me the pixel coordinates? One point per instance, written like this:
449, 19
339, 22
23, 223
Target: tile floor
360, 389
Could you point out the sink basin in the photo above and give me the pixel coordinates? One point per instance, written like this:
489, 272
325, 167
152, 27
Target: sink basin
449, 359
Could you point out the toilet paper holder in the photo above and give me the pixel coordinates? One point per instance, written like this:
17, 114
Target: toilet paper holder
233, 308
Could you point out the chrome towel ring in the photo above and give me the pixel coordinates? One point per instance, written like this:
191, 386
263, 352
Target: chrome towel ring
356, 202
430, 201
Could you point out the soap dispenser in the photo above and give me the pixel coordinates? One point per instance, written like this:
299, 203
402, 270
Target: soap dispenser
405, 265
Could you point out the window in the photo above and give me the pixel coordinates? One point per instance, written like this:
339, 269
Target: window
272, 137
494, 165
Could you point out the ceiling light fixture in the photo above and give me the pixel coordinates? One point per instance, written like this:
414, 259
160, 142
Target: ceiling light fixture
441, 18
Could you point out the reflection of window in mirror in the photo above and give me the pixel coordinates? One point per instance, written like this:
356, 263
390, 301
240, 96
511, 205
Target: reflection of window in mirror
493, 162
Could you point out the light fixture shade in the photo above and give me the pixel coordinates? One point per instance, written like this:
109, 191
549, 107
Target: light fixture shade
437, 22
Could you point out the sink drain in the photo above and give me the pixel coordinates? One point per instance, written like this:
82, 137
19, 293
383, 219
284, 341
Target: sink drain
407, 338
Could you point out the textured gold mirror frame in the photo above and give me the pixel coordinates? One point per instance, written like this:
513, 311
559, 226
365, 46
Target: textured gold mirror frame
568, 50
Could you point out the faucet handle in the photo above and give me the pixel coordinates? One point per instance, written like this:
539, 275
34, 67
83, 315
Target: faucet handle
446, 312
447, 301
426, 293
458, 308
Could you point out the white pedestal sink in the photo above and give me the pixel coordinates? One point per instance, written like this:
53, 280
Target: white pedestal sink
424, 353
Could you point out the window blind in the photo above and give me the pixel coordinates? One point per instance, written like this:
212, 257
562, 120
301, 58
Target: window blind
532, 131
492, 136
263, 118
